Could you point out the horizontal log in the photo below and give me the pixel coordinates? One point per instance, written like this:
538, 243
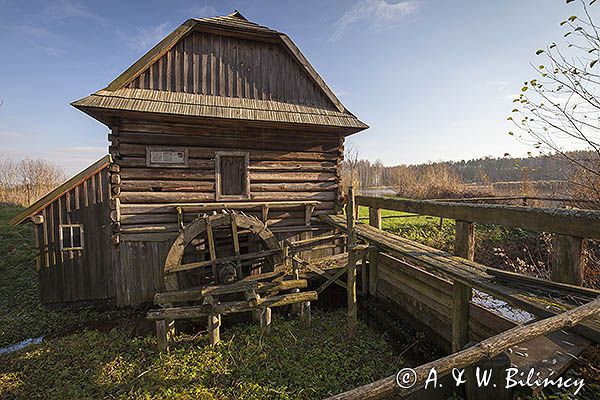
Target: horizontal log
137, 150
304, 166
230, 307
167, 186
165, 197
216, 206
180, 296
485, 349
280, 177
294, 196
140, 162
167, 173
579, 223
293, 187
242, 141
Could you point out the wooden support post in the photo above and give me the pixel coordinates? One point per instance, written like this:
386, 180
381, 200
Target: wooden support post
305, 318
464, 246
236, 247
350, 219
161, 335
351, 294
180, 219
214, 325
265, 214
265, 320
464, 241
308, 211
211, 248
364, 289
375, 217
373, 273
295, 308
569, 259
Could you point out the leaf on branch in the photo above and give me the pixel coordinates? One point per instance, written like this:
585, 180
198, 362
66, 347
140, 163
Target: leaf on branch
524, 89
515, 110
592, 2
511, 133
509, 118
572, 18
539, 51
563, 22
569, 1
592, 63
592, 50
553, 45
541, 67
567, 34
579, 28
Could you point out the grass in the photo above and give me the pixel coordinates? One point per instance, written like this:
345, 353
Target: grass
74, 362
22, 314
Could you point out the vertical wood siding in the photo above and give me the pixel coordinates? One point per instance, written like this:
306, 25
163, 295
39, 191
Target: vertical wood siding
77, 275
205, 63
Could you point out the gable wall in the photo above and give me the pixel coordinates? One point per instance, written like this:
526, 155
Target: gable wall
205, 63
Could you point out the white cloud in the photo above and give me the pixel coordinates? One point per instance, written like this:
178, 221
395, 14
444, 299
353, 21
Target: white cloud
145, 38
203, 11
62, 9
377, 14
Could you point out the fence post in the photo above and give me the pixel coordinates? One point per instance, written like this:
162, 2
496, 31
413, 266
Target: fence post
464, 246
375, 217
569, 259
373, 273
352, 259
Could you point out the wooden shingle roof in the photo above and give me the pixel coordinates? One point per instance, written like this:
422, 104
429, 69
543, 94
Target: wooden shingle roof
198, 105
123, 94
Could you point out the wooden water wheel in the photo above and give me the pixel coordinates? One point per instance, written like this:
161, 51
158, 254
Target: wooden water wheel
221, 248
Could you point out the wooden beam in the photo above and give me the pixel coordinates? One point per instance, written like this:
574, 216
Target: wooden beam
373, 272
305, 318
212, 250
486, 349
375, 217
351, 294
161, 335
464, 246
579, 223
569, 259
265, 320
464, 241
350, 219
236, 246
230, 307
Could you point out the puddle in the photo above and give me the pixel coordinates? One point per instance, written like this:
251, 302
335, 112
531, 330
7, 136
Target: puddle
20, 345
501, 307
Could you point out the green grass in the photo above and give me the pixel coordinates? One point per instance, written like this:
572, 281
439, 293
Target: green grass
288, 364
22, 314
74, 362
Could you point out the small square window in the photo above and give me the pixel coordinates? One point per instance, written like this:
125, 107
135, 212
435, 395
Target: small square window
71, 237
166, 157
231, 175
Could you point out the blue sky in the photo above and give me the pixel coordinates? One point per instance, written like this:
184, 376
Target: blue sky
433, 78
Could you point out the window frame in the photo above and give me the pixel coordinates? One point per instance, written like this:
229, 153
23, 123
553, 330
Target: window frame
218, 181
150, 164
61, 237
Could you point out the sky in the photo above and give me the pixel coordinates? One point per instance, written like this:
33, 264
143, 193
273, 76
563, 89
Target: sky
434, 79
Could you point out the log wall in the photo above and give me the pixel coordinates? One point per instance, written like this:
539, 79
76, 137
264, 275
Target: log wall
78, 275
285, 165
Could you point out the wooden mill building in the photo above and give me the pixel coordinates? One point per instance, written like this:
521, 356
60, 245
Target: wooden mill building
222, 115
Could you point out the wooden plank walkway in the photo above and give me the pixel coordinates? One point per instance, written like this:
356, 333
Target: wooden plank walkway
472, 274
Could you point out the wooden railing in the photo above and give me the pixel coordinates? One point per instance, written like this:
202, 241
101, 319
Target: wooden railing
570, 226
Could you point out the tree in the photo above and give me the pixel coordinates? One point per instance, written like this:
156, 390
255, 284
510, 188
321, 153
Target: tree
560, 108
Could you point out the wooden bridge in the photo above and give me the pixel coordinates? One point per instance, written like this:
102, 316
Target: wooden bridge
436, 287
